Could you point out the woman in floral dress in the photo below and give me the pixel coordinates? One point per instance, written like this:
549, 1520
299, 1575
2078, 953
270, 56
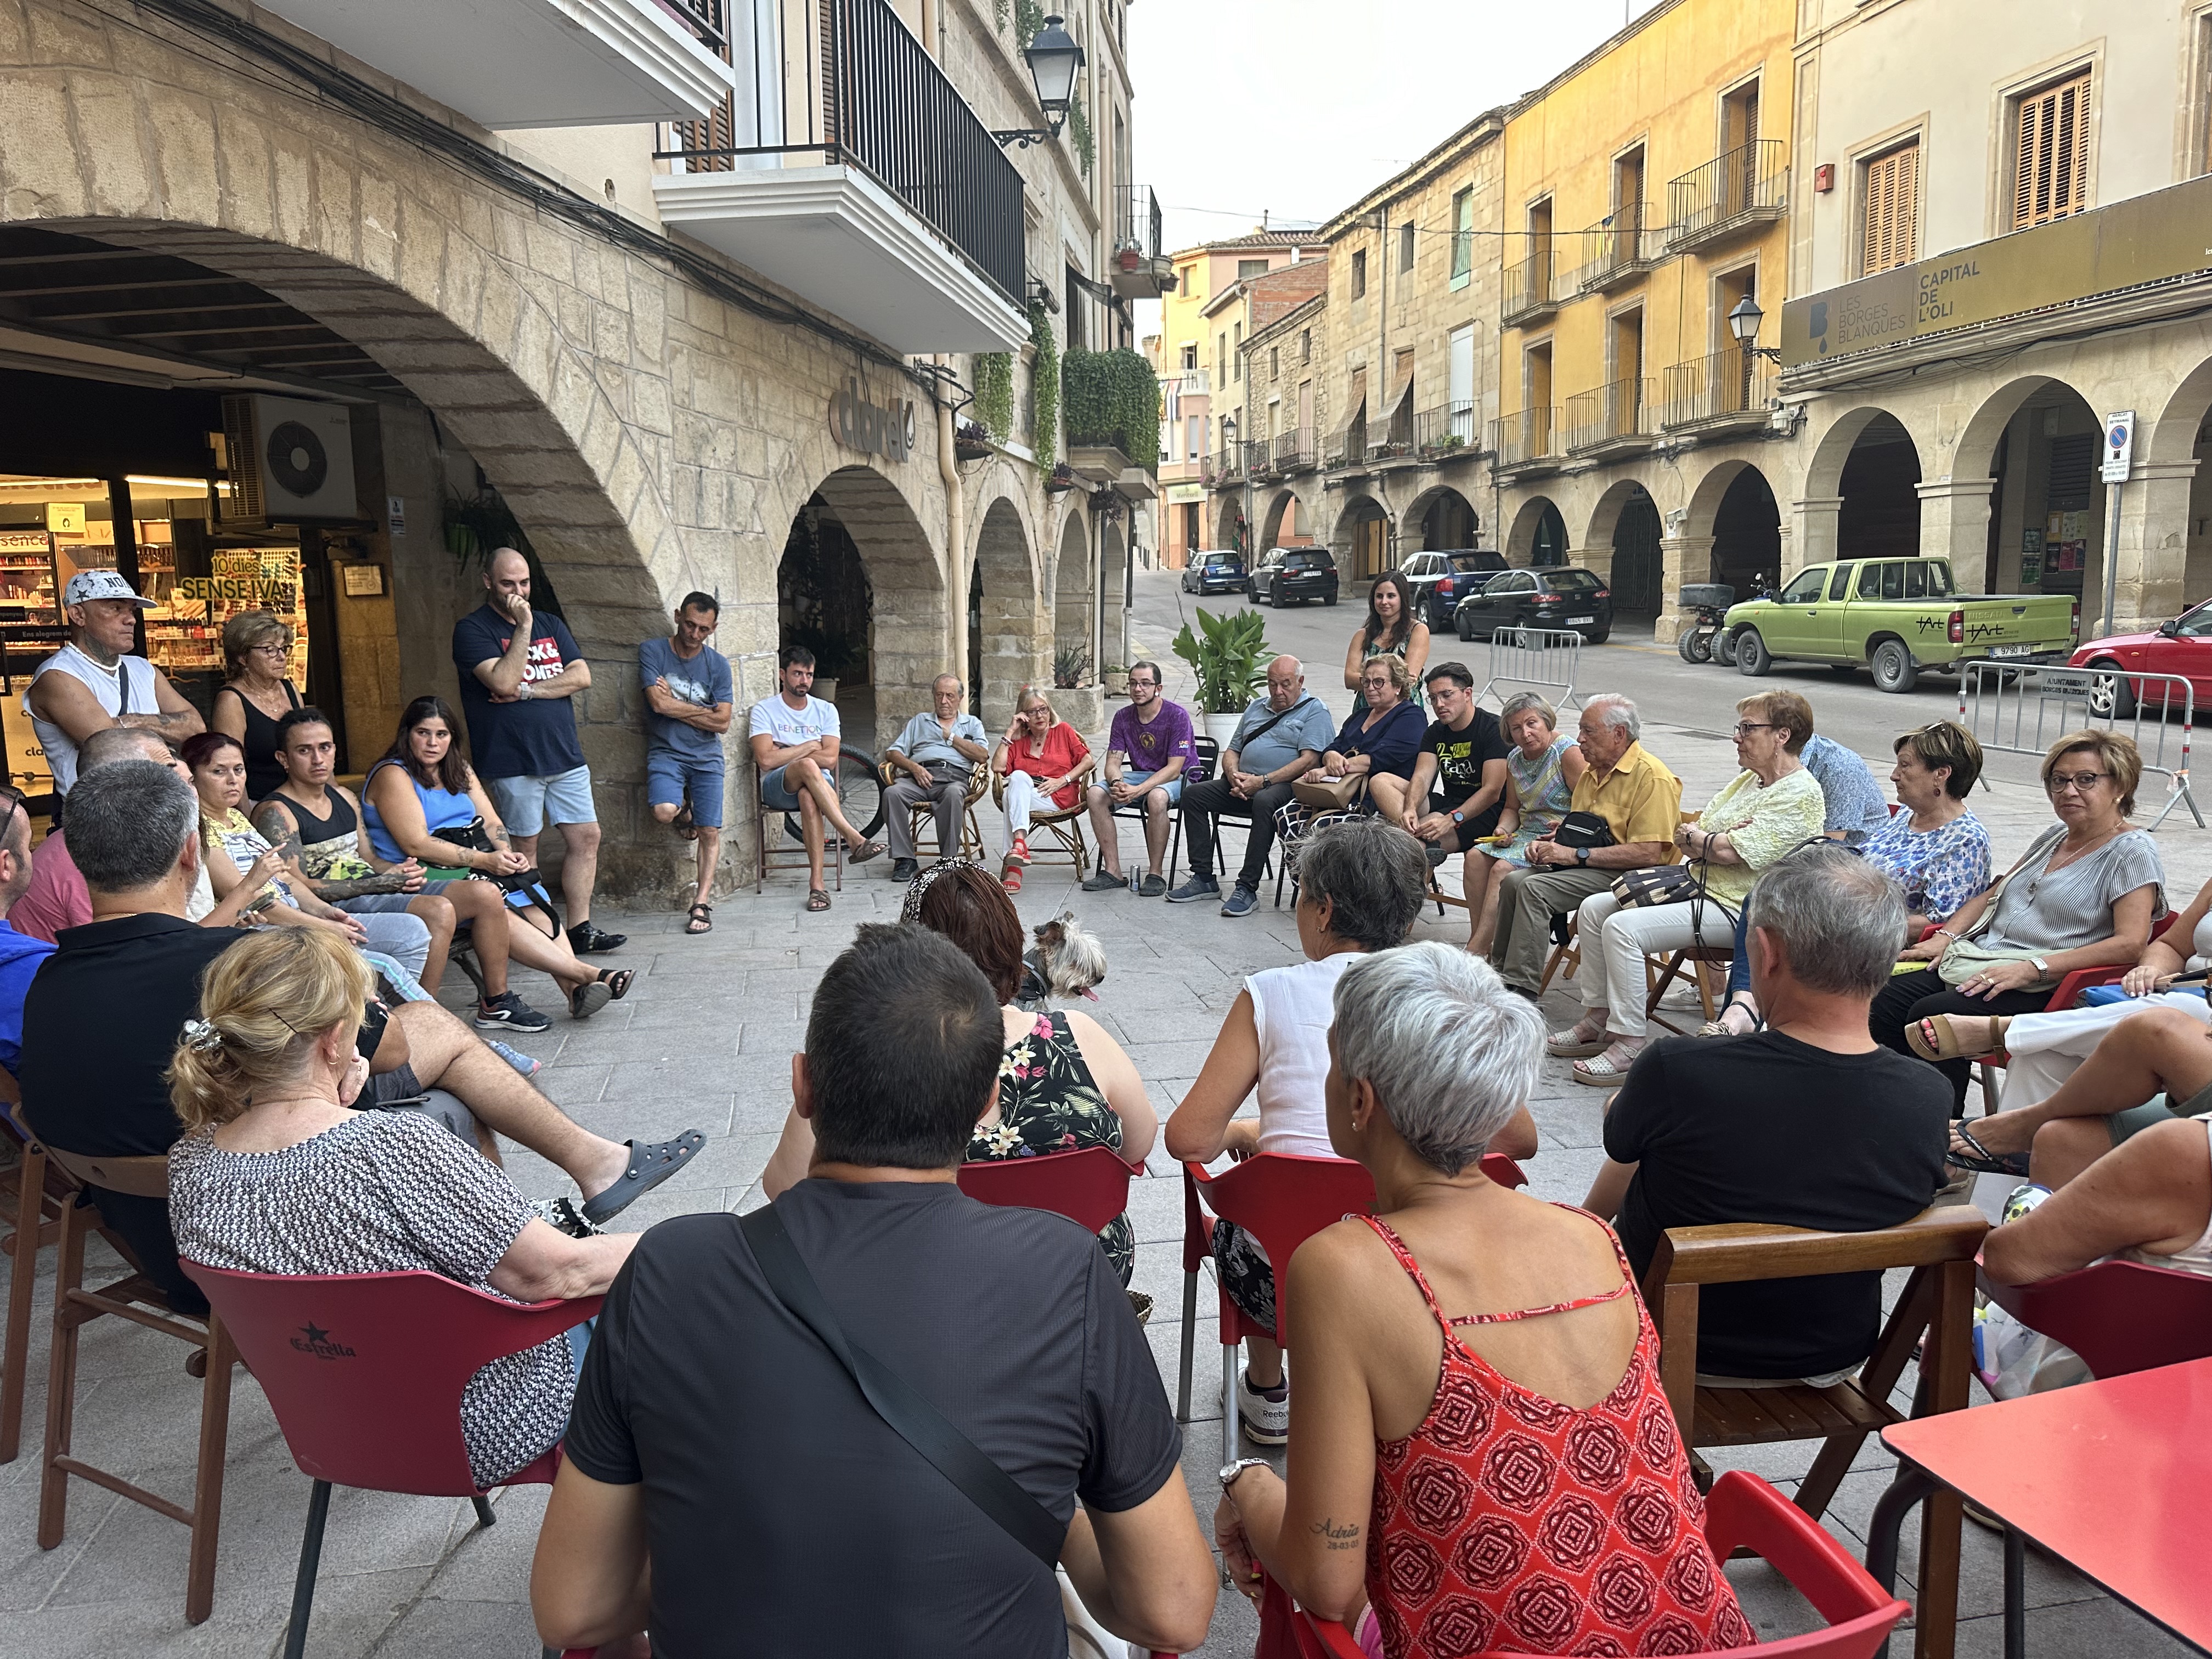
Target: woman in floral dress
1543, 767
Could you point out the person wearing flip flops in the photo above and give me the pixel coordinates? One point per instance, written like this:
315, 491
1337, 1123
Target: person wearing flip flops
794, 736
689, 693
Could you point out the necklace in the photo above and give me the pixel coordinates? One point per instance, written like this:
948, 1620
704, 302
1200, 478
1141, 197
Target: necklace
2052, 865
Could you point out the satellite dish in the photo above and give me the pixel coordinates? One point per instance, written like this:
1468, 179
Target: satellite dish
297, 459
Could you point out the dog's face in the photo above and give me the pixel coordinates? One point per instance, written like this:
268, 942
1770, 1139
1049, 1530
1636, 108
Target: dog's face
1070, 961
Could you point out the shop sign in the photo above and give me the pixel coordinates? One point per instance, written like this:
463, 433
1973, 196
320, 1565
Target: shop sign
65, 518
254, 591
24, 541
2144, 239
884, 429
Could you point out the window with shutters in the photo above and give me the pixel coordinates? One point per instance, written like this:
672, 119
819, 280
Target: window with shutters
2051, 153
1890, 188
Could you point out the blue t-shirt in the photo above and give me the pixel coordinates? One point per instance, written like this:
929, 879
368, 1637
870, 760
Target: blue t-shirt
703, 682
20, 958
526, 738
1308, 724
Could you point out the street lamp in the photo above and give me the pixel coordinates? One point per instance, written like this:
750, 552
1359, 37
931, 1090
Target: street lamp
1743, 322
1228, 449
1053, 59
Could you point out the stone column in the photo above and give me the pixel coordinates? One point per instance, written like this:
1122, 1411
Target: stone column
1810, 536
1682, 559
1954, 524
2154, 547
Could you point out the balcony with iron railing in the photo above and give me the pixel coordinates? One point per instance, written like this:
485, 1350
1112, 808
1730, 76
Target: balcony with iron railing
1729, 390
1344, 449
1526, 442
1531, 288
1294, 452
1138, 270
1446, 433
1229, 466
1740, 190
1259, 459
1615, 419
1620, 248
509, 64
847, 168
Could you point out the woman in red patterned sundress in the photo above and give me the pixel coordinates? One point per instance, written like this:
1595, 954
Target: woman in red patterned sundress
1480, 1444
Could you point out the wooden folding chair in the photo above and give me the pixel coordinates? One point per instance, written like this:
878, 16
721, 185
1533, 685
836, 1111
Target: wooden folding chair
791, 854
33, 1185
1936, 1310
923, 814
1063, 826
138, 1299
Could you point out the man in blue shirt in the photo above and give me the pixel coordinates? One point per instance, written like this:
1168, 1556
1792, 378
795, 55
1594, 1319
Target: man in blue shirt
938, 752
518, 670
1281, 735
19, 954
687, 687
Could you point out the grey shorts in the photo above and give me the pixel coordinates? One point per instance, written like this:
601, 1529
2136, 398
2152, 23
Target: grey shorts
2157, 1109
376, 905
386, 1091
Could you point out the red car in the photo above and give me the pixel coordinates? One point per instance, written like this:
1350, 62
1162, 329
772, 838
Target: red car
2183, 647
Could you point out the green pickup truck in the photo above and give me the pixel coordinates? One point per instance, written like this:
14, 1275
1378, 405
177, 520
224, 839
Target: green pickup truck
1897, 617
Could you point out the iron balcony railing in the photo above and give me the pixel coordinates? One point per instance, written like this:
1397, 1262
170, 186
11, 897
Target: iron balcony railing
1229, 464
705, 19
1259, 457
1529, 435
1730, 382
1445, 433
1620, 244
1618, 410
1294, 451
1137, 221
1528, 286
1748, 183
1346, 447
843, 82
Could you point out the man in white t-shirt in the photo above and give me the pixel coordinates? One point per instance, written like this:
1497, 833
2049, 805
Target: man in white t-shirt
93, 681
794, 740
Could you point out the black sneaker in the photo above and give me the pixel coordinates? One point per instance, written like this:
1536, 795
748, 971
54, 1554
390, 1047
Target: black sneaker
587, 939
1100, 882
510, 1010
904, 869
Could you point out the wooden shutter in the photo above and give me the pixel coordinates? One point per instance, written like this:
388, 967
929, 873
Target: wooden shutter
1892, 193
2051, 156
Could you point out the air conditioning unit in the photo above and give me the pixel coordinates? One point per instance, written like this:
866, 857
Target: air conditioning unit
289, 460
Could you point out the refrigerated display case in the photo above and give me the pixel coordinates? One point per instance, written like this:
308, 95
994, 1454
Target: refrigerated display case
31, 627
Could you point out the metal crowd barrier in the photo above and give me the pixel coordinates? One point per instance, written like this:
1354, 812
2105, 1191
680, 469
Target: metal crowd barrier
2023, 711
1540, 658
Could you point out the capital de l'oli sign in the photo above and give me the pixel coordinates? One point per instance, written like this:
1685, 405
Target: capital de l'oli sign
884, 429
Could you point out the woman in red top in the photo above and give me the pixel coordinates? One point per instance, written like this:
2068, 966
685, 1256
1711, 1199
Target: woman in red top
1041, 757
1479, 1445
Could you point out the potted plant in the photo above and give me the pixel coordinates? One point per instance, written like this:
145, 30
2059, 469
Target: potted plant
972, 442
1061, 478
1069, 665
1230, 654
1116, 680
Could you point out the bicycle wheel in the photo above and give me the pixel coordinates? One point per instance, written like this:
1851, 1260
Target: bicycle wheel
859, 795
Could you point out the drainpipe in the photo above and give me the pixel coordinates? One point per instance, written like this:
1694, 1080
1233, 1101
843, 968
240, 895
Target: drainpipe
930, 28
1382, 366
956, 536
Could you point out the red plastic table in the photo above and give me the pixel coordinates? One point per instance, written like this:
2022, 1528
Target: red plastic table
2112, 1478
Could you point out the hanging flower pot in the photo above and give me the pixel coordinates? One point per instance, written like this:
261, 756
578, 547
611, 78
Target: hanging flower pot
1061, 479
972, 442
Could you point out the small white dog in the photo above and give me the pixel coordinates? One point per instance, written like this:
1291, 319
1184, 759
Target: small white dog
1065, 961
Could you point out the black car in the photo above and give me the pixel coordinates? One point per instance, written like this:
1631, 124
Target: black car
1563, 599
1293, 575
1441, 578
1214, 573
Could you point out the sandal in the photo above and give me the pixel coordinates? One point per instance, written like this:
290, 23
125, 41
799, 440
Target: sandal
864, 852
1980, 1159
649, 1165
682, 825
816, 899
1608, 1070
1571, 1044
1720, 1028
616, 979
1010, 878
701, 921
1943, 1036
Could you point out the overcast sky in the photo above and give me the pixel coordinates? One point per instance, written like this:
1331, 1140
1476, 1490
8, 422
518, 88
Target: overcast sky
1297, 107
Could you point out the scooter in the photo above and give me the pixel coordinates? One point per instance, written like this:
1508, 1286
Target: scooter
1710, 601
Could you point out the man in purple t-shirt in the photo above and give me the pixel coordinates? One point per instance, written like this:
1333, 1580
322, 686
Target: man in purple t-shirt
1145, 754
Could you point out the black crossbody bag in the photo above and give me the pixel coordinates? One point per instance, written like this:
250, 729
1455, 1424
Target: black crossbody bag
919, 1424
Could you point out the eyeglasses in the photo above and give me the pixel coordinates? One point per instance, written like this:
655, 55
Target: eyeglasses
2081, 783
1744, 728
271, 648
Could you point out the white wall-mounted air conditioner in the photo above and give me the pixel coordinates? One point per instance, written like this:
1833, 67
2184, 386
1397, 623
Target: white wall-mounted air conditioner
290, 460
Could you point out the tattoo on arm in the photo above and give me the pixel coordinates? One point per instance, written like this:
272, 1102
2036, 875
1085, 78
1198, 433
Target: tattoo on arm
1346, 1537
359, 887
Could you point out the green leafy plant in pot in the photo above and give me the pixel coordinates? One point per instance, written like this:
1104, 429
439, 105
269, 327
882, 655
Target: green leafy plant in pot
1231, 656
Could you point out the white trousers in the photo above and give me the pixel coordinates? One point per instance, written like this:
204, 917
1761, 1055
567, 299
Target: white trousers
1614, 942
1021, 800
2048, 1049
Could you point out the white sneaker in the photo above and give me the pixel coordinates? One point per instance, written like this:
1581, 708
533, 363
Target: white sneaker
1266, 1421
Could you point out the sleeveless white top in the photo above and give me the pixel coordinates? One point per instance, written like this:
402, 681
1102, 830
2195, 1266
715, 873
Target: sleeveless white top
107, 685
1292, 1008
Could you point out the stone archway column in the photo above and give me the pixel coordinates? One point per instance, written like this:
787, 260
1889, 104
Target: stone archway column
2153, 546
1682, 560
1812, 534
1954, 524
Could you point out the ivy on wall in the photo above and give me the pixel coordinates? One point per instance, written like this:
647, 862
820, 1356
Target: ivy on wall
1078, 134
1028, 18
995, 392
1113, 398
1044, 386
1000, 8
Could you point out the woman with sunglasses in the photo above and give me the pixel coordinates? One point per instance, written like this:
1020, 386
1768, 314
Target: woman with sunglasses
2084, 894
257, 647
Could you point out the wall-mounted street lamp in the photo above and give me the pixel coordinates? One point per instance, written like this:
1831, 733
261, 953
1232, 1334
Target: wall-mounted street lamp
1053, 59
1743, 322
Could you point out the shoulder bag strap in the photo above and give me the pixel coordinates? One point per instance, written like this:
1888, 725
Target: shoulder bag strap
919, 1424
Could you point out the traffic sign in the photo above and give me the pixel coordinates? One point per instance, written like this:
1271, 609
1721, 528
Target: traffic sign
2119, 445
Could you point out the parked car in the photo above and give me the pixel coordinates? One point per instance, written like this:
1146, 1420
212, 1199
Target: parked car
1214, 573
1294, 574
1571, 598
1439, 579
2182, 646
1898, 616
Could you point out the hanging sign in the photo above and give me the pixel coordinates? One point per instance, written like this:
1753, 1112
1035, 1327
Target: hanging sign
872, 428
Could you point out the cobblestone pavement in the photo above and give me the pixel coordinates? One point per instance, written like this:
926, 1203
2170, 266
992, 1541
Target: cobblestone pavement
704, 1041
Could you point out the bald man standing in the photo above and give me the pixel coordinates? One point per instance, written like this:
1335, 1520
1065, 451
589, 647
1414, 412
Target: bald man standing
518, 669
1280, 736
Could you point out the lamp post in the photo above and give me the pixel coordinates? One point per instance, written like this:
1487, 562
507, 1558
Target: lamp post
1228, 448
1053, 60
1743, 322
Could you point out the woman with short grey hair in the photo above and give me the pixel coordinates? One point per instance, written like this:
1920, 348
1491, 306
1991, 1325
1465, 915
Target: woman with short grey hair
1543, 768
1360, 888
1531, 1300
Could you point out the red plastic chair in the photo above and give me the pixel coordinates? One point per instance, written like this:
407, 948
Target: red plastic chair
2119, 1316
1282, 1199
1090, 1187
1744, 1511
365, 1372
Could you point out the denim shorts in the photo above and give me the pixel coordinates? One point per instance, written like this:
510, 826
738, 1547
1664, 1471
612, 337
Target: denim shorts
526, 805
672, 780
379, 904
775, 795
1139, 779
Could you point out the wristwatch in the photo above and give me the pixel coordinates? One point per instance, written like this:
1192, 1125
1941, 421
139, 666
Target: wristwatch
1458, 816
1582, 855
2042, 967
1231, 1471
522, 690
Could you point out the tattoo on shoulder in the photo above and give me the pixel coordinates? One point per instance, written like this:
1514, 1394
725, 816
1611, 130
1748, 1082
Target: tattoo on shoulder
272, 821
1346, 1537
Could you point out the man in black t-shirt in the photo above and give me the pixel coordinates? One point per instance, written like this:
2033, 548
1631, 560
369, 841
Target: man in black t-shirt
728, 1487
1459, 781
1808, 1123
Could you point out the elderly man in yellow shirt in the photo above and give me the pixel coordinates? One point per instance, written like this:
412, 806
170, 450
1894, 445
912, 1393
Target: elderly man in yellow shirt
1640, 802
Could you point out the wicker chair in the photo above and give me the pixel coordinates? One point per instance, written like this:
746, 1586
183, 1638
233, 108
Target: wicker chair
923, 814
1065, 827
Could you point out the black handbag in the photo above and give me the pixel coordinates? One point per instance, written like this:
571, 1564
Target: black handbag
528, 883
1578, 830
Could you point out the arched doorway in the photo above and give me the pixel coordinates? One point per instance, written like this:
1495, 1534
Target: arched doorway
1006, 647
2182, 434
1072, 607
1446, 520
1230, 530
1113, 571
1734, 505
1361, 541
1634, 571
2040, 441
1539, 536
1881, 513
1285, 524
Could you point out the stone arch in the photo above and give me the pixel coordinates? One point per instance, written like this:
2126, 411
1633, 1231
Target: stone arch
1287, 523
906, 638
1229, 525
1443, 517
1113, 574
1625, 531
1973, 456
1359, 541
1735, 518
1530, 527
1823, 474
2029, 453
2176, 431
1010, 646
1071, 610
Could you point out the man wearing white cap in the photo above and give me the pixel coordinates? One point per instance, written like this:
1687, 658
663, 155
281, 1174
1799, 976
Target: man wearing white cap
93, 681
